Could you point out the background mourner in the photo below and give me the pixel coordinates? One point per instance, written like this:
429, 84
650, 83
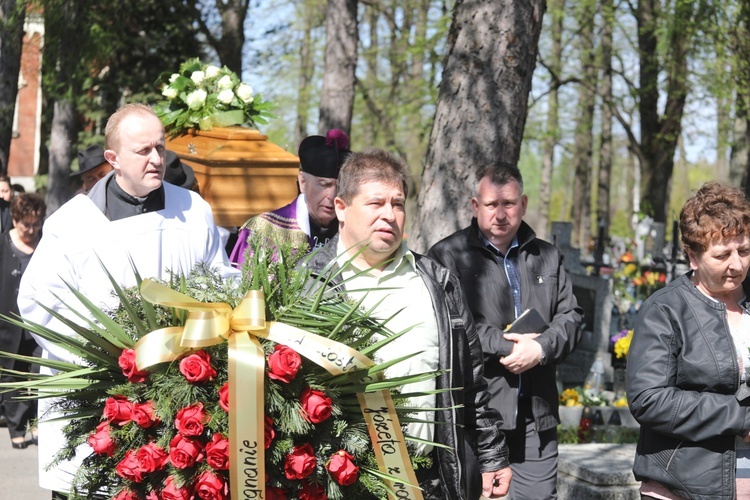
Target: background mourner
92, 166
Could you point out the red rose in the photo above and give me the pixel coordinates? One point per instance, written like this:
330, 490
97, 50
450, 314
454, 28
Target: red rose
300, 463
342, 468
151, 458
312, 491
185, 452
189, 421
224, 397
127, 364
274, 493
118, 410
316, 406
217, 453
211, 487
143, 415
197, 367
126, 495
283, 363
101, 440
151, 495
173, 492
129, 469
269, 433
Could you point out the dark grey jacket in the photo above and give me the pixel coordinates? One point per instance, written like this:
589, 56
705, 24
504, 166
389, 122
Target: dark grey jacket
682, 376
467, 409
544, 286
10, 276
6, 221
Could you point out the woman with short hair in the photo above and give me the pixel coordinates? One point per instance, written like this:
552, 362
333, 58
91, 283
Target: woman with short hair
16, 248
688, 361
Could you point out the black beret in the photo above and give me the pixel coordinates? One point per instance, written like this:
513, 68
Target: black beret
323, 156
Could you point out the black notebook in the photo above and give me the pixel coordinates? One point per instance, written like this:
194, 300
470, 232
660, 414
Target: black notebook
530, 321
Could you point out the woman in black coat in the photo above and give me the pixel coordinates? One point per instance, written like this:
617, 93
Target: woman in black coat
16, 247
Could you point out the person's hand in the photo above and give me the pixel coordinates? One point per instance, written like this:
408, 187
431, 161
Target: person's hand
526, 352
496, 484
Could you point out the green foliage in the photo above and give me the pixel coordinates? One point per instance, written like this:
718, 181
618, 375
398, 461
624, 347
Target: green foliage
110, 53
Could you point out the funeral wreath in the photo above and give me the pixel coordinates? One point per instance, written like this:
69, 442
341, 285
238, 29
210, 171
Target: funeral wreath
197, 388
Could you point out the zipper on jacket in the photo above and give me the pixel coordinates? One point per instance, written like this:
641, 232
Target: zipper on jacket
674, 452
735, 357
452, 384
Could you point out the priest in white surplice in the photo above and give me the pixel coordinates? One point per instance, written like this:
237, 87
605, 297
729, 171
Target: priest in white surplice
129, 214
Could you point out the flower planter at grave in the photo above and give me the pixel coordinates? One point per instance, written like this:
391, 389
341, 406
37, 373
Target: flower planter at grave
570, 416
239, 172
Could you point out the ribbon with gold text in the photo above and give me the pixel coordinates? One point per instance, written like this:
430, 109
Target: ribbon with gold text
212, 323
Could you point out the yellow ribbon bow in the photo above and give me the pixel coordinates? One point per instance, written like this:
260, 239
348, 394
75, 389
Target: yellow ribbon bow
211, 323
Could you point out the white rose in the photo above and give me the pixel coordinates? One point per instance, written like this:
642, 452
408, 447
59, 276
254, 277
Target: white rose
196, 99
169, 92
245, 93
212, 71
225, 82
174, 77
198, 77
226, 96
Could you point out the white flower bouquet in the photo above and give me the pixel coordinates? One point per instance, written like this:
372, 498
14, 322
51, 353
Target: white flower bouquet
205, 96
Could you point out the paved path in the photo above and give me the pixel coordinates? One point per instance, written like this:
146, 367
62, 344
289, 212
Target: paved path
18, 472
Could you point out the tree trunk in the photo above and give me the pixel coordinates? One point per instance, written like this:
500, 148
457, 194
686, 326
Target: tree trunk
739, 159
415, 133
605, 150
63, 24
371, 126
337, 95
62, 136
557, 11
659, 135
723, 129
306, 70
230, 45
739, 163
481, 108
12, 15
583, 142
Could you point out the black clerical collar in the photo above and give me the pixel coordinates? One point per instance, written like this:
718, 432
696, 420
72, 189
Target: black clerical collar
120, 205
321, 236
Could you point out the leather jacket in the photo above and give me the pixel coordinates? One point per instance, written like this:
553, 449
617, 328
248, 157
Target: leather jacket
472, 420
682, 376
544, 286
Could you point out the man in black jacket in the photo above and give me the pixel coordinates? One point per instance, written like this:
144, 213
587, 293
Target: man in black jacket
413, 292
505, 269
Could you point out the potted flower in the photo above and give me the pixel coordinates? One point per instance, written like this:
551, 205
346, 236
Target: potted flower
209, 114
